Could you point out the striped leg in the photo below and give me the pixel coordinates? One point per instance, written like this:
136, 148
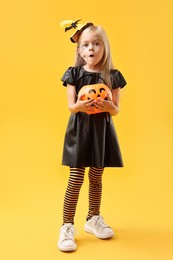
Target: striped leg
72, 193
95, 191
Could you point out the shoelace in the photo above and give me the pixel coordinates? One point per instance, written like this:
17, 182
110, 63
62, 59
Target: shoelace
101, 222
69, 232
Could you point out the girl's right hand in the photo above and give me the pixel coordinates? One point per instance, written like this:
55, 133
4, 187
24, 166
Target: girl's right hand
76, 104
86, 106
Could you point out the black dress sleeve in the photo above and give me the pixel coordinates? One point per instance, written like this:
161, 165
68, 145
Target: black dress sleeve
69, 77
118, 81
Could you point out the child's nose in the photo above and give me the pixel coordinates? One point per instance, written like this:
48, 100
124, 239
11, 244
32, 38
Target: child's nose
90, 47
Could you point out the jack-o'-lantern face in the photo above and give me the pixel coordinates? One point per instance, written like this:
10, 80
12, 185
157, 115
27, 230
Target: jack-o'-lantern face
94, 92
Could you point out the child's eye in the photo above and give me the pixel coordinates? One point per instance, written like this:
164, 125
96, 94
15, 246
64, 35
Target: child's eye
97, 43
85, 45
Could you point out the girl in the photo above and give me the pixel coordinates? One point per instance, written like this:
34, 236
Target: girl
90, 139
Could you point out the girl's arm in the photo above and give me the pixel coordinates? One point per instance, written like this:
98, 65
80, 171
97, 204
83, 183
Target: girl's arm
116, 101
76, 105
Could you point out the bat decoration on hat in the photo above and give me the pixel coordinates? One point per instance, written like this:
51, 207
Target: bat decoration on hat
70, 24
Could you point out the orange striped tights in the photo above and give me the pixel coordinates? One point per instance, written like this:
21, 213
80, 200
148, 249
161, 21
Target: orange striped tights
75, 182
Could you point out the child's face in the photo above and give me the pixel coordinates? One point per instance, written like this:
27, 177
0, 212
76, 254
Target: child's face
91, 48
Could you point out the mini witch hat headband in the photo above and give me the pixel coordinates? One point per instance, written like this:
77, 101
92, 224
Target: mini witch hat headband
74, 25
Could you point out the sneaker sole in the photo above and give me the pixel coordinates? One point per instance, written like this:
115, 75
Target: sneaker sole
67, 249
98, 235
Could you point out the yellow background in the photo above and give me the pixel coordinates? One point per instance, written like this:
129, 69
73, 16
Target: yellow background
138, 199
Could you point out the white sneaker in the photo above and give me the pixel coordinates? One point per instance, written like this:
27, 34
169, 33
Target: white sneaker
97, 227
66, 239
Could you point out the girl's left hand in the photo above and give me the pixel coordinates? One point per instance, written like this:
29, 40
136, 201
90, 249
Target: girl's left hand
104, 105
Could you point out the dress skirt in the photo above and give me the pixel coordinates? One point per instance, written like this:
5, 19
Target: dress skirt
91, 141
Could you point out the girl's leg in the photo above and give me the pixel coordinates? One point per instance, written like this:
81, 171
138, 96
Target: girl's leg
72, 193
95, 191
95, 223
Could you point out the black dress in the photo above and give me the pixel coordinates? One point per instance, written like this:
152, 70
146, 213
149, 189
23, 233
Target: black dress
91, 140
